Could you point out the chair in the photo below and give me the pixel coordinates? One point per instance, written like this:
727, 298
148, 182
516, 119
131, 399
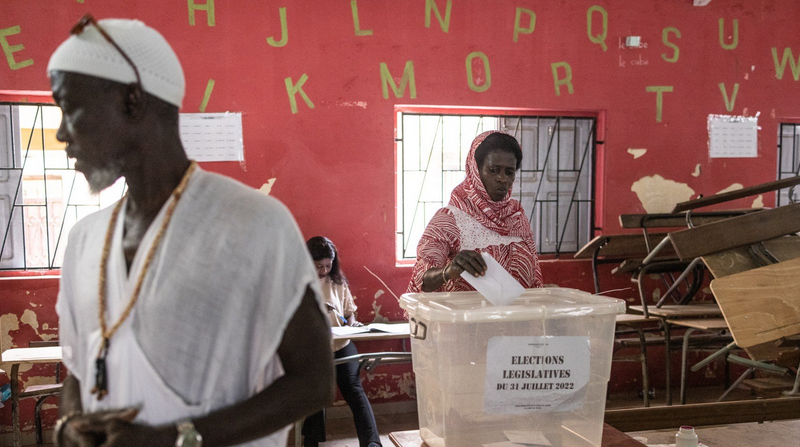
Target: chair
43, 392
762, 310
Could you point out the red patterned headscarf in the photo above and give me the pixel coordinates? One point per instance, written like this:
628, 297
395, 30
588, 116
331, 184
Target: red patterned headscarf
506, 217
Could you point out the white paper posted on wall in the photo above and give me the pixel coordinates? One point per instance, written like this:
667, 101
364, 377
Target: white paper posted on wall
732, 136
530, 374
212, 136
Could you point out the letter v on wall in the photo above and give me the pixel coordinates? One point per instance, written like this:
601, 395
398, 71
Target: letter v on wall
729, 103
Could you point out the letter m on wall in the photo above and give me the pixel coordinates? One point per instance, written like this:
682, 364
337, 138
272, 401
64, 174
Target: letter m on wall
407, 80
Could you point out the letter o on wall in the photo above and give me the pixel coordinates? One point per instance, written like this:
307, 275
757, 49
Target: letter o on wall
470, 76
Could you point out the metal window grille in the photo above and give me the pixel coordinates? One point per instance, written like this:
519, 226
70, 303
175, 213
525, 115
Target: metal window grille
41, 195
554, 184
788, 160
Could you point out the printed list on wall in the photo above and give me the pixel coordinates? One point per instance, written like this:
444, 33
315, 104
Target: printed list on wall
732, 136
529, 374
212, 136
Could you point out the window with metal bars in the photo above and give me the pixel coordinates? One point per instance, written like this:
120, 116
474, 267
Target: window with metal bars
554, 184
41, 194
788, 160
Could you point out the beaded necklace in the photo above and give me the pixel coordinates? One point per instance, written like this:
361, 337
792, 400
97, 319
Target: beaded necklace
101, 378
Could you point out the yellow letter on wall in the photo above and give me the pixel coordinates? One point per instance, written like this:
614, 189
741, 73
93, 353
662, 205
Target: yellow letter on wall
729, 103
9, 50
293, 89
722, 35
664, 38
284, 31
470, 80
359, 31
407, 79
518, 19
208, 7
431, 5
659, 89
567, 78
781, 66
600, 38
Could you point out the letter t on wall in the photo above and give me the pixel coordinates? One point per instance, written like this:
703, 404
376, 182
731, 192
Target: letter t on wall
659, 90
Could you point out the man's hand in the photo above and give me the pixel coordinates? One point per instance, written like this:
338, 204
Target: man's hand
116, 429
80, 430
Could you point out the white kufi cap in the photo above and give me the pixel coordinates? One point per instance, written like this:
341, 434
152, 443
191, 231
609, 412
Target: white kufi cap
91, 54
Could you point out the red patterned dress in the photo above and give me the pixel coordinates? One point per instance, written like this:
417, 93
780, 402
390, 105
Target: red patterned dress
472, 221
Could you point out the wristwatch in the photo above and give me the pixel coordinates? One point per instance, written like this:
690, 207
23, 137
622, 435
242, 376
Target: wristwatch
188, 436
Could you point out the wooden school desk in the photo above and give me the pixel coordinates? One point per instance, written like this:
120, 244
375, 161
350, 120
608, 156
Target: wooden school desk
369, 360
16, 357
611, 438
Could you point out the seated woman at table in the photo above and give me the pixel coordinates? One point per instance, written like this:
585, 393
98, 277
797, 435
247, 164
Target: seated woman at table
480, 218
341, 312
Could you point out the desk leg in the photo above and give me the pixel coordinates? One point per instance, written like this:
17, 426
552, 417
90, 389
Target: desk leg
15, 405
645, 375
667, 361
684, 353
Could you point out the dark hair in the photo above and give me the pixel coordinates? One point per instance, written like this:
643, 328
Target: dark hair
320, 248
498, 142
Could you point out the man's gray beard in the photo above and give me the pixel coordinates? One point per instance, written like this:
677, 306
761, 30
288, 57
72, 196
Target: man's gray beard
100, 179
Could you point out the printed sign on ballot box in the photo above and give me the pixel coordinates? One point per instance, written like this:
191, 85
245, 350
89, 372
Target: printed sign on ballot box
528, 374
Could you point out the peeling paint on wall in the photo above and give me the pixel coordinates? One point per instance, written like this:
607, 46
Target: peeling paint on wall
636, 152
659, 195
391, 386
696, 172
267, 187
8, 323
758, 202
362, 104
733, 187
407, 385
377, 309
379, 293
29, 317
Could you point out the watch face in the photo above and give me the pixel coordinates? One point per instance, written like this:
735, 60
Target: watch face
189, 438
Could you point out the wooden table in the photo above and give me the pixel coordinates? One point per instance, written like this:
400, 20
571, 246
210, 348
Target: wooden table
611, 438
16, 357
377, 335
369, 360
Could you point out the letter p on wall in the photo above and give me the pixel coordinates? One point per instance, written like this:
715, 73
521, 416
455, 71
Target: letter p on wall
518, 29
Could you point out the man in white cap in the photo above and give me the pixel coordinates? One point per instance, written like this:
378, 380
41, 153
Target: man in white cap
189, 312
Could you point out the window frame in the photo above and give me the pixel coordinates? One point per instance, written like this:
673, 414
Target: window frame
11, 98
597, 206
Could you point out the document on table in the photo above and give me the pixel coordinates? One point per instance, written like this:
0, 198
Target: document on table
391, 328
497, 285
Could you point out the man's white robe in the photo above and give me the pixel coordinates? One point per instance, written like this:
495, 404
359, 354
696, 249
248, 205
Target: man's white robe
230, 272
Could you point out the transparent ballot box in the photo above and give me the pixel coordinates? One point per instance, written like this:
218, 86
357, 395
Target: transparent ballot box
534, 372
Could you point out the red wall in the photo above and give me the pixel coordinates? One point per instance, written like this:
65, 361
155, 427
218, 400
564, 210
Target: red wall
334, 163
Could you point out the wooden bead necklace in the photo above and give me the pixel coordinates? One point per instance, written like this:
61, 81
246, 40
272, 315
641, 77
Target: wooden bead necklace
101, 378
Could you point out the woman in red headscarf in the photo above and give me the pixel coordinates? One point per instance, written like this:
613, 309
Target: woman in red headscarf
480, 218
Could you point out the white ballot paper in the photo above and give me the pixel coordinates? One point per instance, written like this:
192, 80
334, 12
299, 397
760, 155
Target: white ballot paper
497, 285
530, 438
